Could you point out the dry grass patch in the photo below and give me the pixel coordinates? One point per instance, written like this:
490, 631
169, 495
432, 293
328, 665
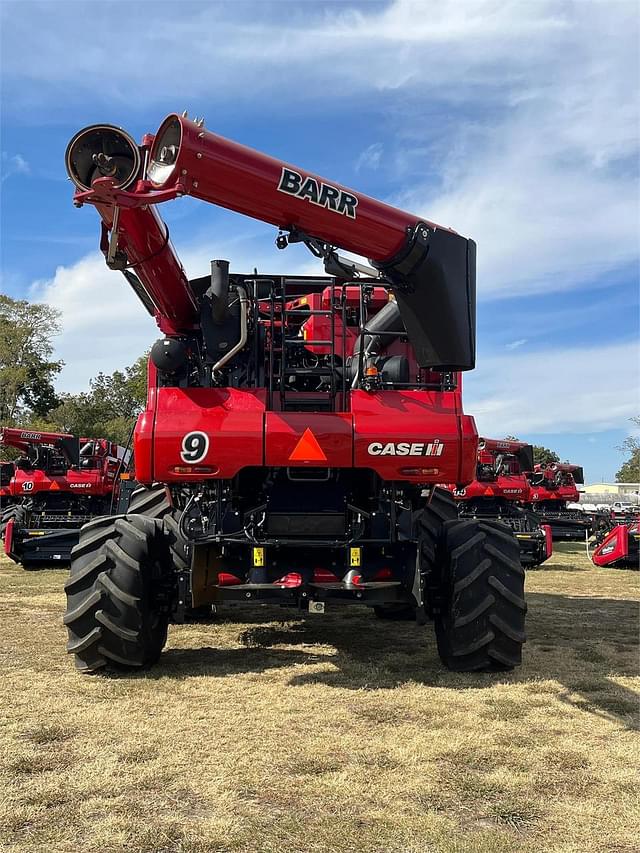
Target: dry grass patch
267, 732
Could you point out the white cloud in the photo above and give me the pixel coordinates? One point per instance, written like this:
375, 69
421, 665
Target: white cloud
104, 325
523, 117
370, 158
526, 112
552, 391
14, 165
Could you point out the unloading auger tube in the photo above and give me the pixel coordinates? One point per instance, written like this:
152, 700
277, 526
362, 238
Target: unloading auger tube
430, 268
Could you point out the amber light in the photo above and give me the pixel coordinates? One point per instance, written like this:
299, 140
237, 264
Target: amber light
372, 370
194, 469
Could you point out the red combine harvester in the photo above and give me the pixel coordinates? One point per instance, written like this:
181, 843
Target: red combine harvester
59, 483
619, 547
553, 486
293, 424
498, 491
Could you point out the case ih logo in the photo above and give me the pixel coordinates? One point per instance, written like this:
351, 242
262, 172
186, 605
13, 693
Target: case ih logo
404, 448
31, 436
324, 195
79, 485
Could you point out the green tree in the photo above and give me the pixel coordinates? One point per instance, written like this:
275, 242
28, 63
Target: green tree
27, 370
630, 470
543, 456
108, 410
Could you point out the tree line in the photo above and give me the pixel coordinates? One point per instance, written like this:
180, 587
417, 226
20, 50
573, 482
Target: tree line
109, 408
28, 371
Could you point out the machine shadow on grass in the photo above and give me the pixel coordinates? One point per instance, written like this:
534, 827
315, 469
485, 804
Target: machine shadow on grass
582, 643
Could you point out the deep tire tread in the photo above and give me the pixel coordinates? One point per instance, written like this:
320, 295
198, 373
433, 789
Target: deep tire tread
482, 625
112, 616
15, 512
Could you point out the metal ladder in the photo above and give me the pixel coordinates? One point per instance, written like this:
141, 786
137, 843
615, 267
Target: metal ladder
280, 370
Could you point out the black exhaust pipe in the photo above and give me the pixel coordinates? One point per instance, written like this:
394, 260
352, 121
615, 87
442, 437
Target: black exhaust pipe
218, 291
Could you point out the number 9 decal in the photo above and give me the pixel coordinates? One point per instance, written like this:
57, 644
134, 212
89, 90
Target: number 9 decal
195, 446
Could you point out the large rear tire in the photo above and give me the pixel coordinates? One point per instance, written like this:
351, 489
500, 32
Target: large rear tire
440, 509
16, 512
153, 502
481, 625
118, 594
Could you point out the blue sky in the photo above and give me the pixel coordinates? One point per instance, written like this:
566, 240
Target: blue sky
514, 123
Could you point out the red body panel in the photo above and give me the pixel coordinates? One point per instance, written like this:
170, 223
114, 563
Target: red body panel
548, 539
333, 434
233, 419
31, 483
563, 494
414, 418
8, 537
513, 488
241, 433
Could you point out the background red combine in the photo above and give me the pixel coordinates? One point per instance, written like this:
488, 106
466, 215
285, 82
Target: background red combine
553, 486
296, 427
58, 483
498, 492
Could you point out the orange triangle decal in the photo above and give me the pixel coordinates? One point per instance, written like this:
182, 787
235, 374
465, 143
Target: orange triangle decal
55, 486
307, 449
489, 491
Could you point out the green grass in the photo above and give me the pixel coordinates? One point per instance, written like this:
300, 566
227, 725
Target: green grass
267, 732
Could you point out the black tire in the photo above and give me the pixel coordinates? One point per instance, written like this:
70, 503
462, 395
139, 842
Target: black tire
153, 501
118, 594
481, 626
441, 508
16, 512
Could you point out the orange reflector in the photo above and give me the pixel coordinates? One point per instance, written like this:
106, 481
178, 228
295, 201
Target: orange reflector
55, 486
307, 449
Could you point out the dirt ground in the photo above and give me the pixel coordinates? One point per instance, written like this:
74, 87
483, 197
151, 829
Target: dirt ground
268, 732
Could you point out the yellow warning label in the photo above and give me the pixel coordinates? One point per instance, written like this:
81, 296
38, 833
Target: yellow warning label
258, 556
354, 557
